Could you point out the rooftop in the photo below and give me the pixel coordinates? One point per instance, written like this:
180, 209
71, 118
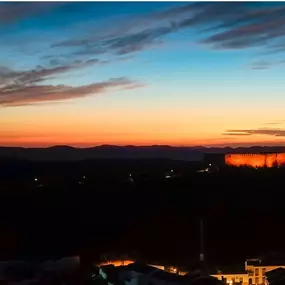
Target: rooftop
170, 277
141, 268
206, 280
275, 272
271, 263
276, 276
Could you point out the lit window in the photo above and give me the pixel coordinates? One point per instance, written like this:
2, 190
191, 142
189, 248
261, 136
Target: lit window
256, 271
256, 280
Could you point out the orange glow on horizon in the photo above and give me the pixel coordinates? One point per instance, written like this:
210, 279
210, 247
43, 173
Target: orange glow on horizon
81, 142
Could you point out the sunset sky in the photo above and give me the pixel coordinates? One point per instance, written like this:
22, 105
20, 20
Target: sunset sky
183, 73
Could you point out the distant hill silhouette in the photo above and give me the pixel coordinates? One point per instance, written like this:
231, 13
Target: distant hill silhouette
67, 153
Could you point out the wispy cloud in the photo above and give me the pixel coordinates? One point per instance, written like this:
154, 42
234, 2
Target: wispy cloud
220, 25
32, 94
266, 64
9, 77
261, 65
277, 122
269, 132
29, 87
234, 133
223, 25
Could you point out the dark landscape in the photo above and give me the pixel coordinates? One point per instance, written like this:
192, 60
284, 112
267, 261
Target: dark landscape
56, 208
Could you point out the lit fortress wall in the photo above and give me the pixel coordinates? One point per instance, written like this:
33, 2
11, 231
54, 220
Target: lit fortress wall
256, 160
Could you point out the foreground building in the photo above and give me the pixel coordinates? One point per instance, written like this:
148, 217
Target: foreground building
254, 273
140, 274
233, 277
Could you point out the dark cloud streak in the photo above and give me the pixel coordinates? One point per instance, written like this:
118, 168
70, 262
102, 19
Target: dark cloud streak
230, 25
40, 74
28, 95
19, 88
269, 132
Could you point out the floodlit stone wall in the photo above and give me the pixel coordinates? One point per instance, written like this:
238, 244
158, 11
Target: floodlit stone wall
255, 160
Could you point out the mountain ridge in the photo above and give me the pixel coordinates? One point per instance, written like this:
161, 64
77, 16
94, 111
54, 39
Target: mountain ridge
69, 153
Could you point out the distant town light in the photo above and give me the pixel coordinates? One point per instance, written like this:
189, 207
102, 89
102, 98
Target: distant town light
36, 179
171, 170
210, 164
84, 177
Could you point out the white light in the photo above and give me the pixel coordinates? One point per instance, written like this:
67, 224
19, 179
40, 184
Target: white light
210, 164
84, 177
171, 170
36, 179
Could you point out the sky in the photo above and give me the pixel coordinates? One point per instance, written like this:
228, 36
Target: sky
142, 73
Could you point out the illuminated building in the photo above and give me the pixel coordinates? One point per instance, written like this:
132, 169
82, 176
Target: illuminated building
255, 160
233, 277
254, 273
257, 269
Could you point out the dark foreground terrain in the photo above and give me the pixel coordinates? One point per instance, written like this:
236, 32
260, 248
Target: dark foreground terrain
56, 209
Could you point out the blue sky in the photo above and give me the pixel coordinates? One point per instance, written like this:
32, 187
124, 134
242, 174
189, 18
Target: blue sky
211, 71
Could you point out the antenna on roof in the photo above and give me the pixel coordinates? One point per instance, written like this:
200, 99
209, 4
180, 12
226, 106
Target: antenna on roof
202, 257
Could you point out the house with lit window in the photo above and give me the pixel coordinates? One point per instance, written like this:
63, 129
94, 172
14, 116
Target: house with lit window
254, 273
232, 276
257, 269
